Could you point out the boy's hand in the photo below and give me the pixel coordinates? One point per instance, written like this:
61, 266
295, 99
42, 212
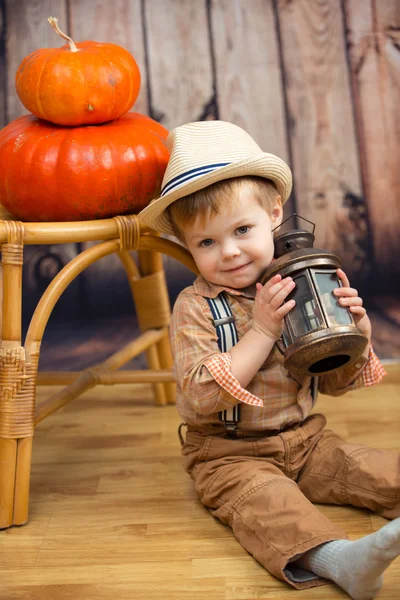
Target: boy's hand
269, 310
348, 297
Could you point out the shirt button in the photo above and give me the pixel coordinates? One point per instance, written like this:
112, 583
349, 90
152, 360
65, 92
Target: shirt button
358, 365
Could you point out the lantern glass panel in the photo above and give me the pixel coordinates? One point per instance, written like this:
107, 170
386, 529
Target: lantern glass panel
336, 314
306, 315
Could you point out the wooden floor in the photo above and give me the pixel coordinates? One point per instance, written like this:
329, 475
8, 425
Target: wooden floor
113, 514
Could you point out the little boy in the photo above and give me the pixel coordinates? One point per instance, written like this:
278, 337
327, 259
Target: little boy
258, 459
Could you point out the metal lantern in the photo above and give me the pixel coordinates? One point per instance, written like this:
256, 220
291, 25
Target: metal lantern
319, 335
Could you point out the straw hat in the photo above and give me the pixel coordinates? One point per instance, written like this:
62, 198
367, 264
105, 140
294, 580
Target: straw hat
205, 152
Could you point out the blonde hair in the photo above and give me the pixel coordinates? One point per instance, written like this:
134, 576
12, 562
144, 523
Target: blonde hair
208, 201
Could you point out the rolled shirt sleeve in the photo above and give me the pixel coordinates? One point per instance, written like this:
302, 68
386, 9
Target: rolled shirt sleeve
374, 371
220, 368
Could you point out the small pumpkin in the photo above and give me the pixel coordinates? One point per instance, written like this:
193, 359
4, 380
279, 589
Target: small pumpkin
77, 84
53, 173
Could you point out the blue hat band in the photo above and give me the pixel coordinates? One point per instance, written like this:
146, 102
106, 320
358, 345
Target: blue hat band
190, 175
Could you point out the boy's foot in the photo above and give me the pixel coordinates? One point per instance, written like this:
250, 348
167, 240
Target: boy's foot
356, 567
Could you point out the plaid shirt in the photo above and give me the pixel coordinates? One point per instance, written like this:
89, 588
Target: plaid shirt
273, 399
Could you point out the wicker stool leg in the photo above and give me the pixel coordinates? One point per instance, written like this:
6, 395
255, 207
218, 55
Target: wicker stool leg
154, 363
26, 398
22, 481
8, 460
164, 352
16, 389
153, 311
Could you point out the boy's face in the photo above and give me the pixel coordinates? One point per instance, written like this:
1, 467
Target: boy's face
234, 247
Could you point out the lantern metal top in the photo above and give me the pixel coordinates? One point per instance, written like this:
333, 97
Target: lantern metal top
290, 241
295, 239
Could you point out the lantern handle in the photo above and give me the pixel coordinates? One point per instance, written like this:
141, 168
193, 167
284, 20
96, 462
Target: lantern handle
296, 216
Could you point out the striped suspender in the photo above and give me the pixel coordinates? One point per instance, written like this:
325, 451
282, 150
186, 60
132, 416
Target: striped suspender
224, 323
225, 327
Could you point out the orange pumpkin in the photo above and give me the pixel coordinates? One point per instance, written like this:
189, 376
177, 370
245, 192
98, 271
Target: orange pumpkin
77, 84
53, 173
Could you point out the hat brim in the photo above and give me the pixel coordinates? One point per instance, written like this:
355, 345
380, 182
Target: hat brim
264, 165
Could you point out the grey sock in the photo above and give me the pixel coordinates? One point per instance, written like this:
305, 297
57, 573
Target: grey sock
356, 567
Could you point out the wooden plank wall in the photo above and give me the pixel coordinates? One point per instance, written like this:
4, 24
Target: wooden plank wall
315, 81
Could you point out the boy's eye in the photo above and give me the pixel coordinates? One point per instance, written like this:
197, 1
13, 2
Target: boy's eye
206, 243
243, 229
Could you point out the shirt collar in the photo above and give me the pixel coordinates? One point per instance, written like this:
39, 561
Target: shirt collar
211, 290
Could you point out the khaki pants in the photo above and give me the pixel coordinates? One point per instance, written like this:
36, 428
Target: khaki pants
264, 488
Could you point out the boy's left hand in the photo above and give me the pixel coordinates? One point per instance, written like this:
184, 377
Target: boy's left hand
348, 298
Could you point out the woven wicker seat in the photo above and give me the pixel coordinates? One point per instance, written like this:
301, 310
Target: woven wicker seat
19, 363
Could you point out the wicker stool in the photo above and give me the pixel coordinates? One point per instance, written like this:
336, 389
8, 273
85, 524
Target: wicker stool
19, 364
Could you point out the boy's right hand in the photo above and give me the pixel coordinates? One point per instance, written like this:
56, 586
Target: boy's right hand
269, 310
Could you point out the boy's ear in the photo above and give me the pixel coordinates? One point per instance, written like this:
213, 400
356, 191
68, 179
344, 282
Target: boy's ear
277, 213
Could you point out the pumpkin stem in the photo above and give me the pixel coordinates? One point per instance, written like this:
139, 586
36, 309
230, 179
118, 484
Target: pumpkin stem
54, 23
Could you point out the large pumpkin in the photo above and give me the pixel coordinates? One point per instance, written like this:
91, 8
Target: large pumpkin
53, 173
77, 84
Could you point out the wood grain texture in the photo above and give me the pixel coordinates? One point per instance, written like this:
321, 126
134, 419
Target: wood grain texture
28, 30
248, 74
374, 40
114, 514
179, 55
322, 133
384, 312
